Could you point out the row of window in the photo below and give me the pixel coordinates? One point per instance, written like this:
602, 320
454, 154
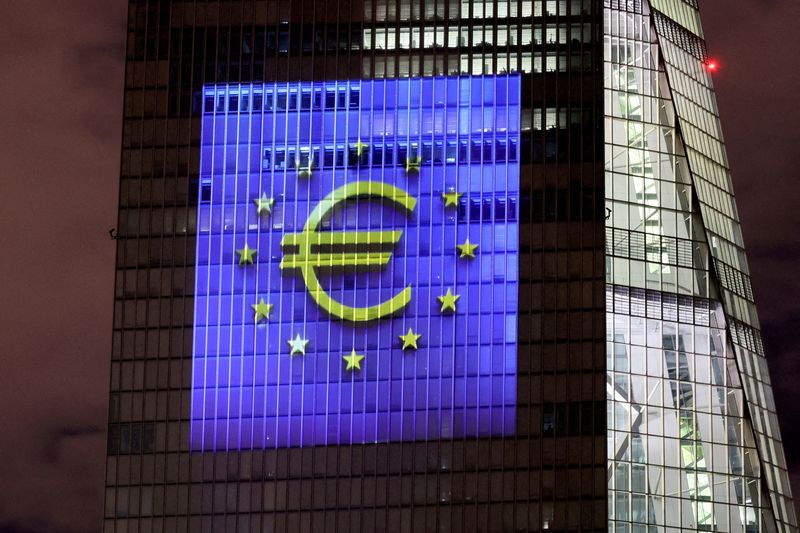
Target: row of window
478, 93
329, 97
240, 101
547, 205
387, 10
734, 280
340, 97
441, 37
320, 38
660, 305
437, 152
244, 100
477, 63
473, 210
655, 248
561, 419
574, 145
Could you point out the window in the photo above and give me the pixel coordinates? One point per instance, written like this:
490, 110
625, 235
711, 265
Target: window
530, 8
380, 39
475, 154
451, 155
502, 8
531, 36
377, 154
502, 36
501, 153
317, 98
404, 39
439, 38
355, 97
280, 159
452, 37
328, 158
551, 34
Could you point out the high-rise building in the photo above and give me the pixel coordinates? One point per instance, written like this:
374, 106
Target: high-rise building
438, 265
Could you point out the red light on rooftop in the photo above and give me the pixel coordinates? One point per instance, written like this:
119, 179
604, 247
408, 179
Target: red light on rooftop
712, 65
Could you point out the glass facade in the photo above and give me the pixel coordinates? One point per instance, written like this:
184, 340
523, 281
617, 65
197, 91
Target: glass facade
693, 440
414, 183
601, 367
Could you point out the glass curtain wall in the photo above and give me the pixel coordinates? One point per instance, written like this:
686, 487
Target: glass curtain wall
682, 448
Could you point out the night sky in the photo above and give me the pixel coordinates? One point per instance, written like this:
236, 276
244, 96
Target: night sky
61, 102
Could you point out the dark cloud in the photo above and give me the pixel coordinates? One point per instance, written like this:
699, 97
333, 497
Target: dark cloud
59, 439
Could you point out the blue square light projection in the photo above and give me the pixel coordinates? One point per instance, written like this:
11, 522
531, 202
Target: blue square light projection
357, 258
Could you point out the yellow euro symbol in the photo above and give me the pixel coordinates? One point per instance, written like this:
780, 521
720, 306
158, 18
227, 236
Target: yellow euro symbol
346, 249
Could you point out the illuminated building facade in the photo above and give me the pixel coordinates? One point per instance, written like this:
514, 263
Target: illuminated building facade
432, 266
693, 435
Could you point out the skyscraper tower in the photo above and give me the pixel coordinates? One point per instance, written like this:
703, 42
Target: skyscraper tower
446, 265
692, 423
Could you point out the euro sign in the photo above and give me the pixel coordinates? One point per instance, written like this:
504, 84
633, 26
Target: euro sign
311, 250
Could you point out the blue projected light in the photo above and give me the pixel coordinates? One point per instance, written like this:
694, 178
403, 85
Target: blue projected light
357, 258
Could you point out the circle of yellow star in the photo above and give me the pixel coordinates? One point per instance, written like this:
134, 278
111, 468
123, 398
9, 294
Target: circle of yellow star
451, 198
353, 360
246, 255
264, 204
448, 301
410, 339
298, 345
467, 249
262, 310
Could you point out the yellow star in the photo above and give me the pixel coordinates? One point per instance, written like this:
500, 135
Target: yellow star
410, 339
262, 309
412, 165
467, 249
451, 198
448, 301
361, 148
264, 204
353, 360
298, 345
246, 255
